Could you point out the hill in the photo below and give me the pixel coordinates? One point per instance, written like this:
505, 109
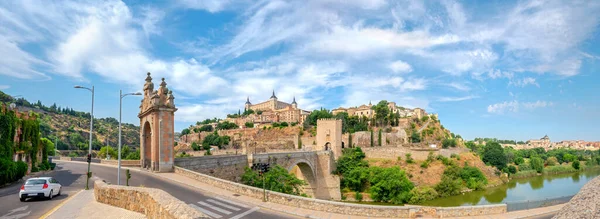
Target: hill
72, 127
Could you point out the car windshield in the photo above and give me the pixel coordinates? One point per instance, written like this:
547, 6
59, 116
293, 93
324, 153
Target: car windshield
35, 182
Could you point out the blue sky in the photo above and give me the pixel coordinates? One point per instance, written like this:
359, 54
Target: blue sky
505, 69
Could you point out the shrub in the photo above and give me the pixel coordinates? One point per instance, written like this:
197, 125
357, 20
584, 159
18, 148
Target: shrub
34, 169
430, 156
493, 154
473, 177
425, 164
422, 194
519, 160
399, 158
409, 158
551, 161
390, 185
73, 154
575, 164
448, 143
278, 179
537, 164
249, 125
524, 174
512, 169
195, 146
358, 196
52, 166
356, 179
448, 187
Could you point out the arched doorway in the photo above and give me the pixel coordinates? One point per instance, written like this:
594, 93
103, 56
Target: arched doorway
302, 170
327, 146
342, 145
147, 146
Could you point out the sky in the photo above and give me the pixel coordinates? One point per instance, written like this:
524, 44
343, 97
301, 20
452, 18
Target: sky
505, 69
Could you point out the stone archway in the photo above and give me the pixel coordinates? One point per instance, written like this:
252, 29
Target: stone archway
305, 171
327, 146
146, 147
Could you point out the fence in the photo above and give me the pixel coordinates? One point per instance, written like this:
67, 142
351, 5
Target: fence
525, 205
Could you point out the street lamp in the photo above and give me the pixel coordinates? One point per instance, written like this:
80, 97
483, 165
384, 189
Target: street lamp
89, 160
121, 95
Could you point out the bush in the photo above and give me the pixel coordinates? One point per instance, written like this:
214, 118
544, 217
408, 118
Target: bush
358, 196
183, 154
356, 179
473, 177
52, 166
390, 185
551, 161
422, 194
399, 158
425, 164
133, 155
278, 179
537, 164
524, 174
448, 143
430, 156
415, 137
106, 151
249, 125
73, 154
195, 146
34, 169
409, 158
448, 186
512, 169
494, 155
519, 160
575, 164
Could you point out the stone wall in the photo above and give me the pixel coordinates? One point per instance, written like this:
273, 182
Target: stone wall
154, 203
124, 163
395, 152
340, 207
228, 167
363, 139
586, 204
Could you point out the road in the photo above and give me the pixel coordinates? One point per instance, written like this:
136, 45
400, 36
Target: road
71, 176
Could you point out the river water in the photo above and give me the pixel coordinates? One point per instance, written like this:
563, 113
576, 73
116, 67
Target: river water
520, 190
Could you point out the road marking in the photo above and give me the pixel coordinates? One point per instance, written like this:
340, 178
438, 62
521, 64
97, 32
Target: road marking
16, 216
215, 208
59, 205
209, 213
233, 203
224, 205
245, 213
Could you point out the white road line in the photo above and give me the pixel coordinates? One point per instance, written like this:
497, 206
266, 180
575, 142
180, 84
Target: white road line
245, 213
209, 213
231, 202
215, 208
224, 205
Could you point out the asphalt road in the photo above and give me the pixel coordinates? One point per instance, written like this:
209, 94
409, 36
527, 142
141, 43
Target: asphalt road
71, 176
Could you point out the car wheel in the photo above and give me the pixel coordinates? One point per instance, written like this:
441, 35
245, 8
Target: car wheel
22, 199
50, 195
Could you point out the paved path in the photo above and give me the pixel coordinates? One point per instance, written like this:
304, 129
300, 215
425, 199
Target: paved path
83, 205
201, 199
424, 126
12, 208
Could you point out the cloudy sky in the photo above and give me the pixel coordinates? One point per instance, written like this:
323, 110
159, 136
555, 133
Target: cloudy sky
506, 69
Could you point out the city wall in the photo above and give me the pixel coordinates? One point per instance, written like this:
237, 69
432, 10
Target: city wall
154, 203
228, 167
395, 152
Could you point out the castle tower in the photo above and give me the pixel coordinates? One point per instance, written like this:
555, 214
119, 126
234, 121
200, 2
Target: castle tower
273, 96
294, 104
157, 115
329, 136
248, 104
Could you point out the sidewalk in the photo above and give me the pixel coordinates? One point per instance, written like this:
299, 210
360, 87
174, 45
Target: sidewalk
307, 213
83, 205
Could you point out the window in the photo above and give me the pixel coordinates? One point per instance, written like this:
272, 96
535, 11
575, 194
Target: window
35, 182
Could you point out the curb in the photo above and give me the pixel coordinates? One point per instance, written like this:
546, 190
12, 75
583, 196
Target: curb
60, 205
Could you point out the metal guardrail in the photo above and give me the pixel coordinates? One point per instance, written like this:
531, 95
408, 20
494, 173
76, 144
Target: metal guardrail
526, 205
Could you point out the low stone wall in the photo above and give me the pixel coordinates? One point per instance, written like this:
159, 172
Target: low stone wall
154, 203
65, 158
395, 152
124, 163
228, 167
344, 208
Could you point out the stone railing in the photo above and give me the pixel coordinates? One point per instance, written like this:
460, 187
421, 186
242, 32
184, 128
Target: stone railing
154, 203
124, 163
344, 208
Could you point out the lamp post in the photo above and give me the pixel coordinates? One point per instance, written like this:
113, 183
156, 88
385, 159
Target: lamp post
121, 95
89, 160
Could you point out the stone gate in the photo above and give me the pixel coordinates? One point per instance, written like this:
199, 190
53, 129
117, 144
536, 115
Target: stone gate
157, 113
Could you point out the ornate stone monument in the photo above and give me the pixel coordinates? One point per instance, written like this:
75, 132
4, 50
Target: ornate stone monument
157, 113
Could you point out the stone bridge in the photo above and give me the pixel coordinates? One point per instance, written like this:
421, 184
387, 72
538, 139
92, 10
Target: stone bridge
314, 167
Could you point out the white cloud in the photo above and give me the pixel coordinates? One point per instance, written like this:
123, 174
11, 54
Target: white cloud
514, 106
4, 87
459, 86
456, 99
212, 6
400, 67
524, 82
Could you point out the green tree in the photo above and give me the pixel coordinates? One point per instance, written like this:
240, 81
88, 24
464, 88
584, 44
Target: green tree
390, 185
49, 145
575, 164
493, 154
106, 151
206, 128
372, 138
381, 112
519, 160
133, 155
415, 137
350, 140
512, 169
195, 146
249, 125
185, 131
351, 158
449, 143
537, 164
422, 194
551, 161
357, 179
277, 179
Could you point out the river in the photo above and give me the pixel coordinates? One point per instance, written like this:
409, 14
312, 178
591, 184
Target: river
519, 190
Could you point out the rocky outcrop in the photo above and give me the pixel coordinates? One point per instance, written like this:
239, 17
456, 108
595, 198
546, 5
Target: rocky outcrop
586, 204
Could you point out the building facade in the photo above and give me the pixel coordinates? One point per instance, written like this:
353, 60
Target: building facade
367, 111
271, 111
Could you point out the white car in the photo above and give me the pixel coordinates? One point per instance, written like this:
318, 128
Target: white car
43, 187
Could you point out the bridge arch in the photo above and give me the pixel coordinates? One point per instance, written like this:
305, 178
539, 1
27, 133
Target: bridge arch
305, 170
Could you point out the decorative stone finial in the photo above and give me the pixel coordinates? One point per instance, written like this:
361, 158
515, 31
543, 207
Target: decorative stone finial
148, 78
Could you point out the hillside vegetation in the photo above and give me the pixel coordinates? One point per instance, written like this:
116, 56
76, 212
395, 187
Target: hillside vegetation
72, 127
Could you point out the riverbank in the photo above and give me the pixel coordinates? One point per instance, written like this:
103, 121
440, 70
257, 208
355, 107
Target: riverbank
552, 170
